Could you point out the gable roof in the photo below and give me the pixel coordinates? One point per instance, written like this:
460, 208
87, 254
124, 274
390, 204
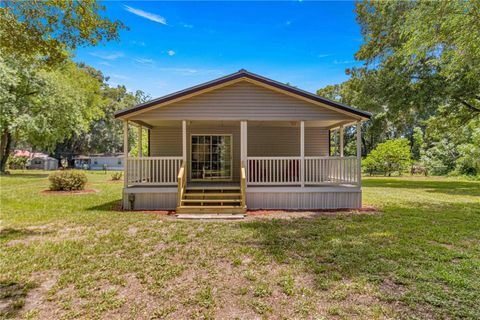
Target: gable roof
238, 75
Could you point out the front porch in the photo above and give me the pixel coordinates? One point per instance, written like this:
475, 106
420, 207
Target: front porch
269, 165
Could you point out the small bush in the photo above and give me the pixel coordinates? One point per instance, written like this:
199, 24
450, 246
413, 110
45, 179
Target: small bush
117, 176
67, 181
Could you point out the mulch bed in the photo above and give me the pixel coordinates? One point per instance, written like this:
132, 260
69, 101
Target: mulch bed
68, 192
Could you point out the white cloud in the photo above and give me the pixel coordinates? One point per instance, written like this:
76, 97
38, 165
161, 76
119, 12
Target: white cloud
147, 15
107, 56
191, 71
104, 63
288, 23
188, 26
343, 61
322, 55
143, 60
171, 53
139, 43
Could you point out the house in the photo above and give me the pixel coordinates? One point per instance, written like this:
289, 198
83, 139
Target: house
237, 142
99, 162
81, 162
43, 162
106, 162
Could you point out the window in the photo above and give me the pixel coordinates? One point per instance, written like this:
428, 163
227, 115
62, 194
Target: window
211, 157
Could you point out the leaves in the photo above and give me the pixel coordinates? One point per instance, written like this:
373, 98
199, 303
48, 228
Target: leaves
48, 30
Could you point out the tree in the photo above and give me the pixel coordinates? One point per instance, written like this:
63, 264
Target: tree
48, 30
421, 62
105, 134
45, 106
389, 157
422, 54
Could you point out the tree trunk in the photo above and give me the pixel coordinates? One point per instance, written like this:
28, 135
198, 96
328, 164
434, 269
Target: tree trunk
5, 145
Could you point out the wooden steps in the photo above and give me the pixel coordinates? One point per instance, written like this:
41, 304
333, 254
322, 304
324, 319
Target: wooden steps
212, 202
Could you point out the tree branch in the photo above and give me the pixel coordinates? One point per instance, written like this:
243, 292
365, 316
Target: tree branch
466, 104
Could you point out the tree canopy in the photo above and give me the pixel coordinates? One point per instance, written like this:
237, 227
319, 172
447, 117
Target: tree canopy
45, 97
49, 30
421, 68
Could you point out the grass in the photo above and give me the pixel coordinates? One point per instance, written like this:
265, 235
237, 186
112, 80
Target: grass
75, 256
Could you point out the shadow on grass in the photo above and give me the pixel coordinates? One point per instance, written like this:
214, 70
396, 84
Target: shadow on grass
396, 246
12, 298
12, 233
115, 205
469, 188
29, 175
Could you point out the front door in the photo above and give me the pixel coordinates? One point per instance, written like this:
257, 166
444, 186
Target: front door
211, 157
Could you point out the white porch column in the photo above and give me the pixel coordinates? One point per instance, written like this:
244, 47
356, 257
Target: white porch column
184, 141
341, 141
302, 153
140, 142
125, 152
243, 142
359, 153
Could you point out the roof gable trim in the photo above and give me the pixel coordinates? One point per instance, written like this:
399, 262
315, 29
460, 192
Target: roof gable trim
234, 78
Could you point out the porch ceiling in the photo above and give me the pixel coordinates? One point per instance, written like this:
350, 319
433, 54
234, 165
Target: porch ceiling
224, 123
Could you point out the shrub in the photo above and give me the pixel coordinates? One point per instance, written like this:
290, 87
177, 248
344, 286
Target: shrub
388, 157
17, 162
117, 176
67, 180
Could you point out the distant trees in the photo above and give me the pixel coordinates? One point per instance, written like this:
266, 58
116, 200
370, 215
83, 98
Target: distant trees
45, 97
420, 79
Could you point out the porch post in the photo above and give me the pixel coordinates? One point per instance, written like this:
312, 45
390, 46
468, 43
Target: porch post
243, 142
184, 141
140, 142
341, 141
302, 153
125, 152
359, 153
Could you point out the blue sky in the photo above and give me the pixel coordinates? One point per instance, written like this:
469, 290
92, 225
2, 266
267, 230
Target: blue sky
174, 45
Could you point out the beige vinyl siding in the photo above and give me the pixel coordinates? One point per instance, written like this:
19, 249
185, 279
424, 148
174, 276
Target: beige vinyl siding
242, 101
263, 141
266, 141
167, 141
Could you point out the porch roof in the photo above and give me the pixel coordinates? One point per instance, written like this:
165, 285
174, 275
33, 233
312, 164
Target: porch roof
234, 77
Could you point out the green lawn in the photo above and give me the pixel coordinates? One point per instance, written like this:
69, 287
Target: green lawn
75, 256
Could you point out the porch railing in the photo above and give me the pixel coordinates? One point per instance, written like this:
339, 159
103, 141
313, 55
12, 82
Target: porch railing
243, 184
182, 182
287, 170
331, 170
273, 170
153, 170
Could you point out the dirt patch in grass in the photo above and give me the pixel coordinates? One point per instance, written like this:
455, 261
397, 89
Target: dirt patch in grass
37, 298
52, 192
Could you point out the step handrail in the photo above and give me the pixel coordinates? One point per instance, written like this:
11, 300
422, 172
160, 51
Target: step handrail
243, 184
182, 182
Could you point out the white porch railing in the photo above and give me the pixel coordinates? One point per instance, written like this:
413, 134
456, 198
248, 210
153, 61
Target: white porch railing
273, 170
331, 170
287, 170
153, 170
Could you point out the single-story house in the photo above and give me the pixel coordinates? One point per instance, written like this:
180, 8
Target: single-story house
241, 141
81, 162
43, 163
104, 162
99, 162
